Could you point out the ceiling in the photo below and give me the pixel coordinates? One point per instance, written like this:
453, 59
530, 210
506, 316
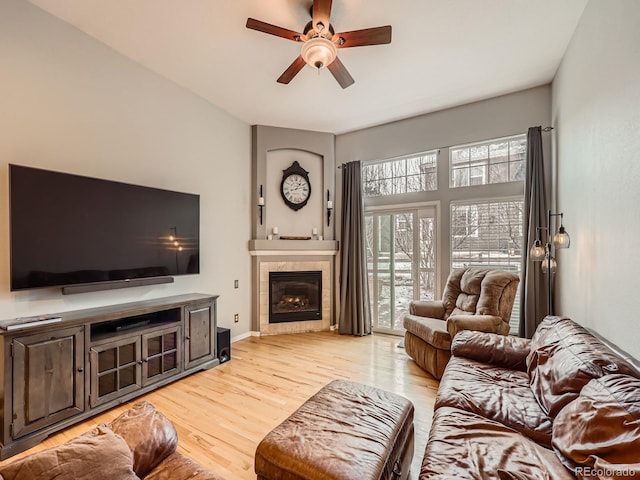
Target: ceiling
443, 53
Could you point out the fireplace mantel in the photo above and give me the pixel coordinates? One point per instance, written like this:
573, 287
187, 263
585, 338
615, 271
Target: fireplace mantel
293, 247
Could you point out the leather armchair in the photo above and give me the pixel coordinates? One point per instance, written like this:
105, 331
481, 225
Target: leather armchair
474, 299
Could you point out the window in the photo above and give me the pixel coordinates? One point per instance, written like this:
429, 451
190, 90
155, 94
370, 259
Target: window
494, 239
464, 223
495, 161
413, 173
401, 258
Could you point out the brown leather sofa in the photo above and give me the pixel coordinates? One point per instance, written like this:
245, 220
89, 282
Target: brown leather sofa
562, 405
139, 444
473, 299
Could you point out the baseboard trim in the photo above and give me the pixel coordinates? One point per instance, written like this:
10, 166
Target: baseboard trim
244, 335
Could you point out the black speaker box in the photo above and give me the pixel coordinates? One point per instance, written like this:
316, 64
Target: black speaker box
223, 340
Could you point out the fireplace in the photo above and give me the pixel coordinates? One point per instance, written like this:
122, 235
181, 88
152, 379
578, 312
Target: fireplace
295, 296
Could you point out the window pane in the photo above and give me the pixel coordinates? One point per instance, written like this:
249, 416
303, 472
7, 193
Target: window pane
459, 155
416, 173
488, 234
499, 173
482, 163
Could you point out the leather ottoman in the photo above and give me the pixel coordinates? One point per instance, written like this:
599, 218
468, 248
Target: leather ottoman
346, 431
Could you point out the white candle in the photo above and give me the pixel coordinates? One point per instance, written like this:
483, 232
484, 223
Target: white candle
261, 201
275, 230
314, 231
329, 204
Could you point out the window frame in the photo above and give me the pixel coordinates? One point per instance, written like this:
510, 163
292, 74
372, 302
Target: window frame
484, 163
430, 171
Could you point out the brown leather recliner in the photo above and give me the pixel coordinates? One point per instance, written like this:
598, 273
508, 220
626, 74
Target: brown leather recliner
473, 299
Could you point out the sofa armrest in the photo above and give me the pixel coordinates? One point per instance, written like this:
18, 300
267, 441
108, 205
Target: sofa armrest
427, 308
480, 323
500, 350
150, 435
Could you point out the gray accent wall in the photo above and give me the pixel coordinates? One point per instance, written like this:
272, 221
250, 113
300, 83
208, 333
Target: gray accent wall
596, 112
497, 117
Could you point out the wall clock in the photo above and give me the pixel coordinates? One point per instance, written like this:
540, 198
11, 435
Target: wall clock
295, 187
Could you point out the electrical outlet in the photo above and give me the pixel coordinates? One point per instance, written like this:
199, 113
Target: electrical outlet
236, 284
236, 318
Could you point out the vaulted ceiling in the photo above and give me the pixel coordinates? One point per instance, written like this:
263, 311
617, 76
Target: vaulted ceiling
443, 53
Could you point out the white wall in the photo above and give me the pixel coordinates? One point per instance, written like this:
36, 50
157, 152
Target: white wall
596, 112
69, 103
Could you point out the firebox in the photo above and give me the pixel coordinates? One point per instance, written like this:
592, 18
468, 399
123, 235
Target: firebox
295, 296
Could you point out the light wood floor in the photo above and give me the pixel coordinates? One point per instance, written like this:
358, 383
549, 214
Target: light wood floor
222, 414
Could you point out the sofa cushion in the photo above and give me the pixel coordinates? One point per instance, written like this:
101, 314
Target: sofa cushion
564, 357
149, 434
500, 350
99, 453
431, 330
601, 428
494, 392
464, 445
176, 466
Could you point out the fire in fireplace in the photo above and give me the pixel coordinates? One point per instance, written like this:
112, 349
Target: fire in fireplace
295, 296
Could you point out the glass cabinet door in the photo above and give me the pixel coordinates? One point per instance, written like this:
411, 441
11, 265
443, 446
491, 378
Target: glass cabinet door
161, 355
116, 369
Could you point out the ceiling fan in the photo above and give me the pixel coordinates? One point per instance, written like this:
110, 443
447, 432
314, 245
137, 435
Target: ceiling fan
320, 42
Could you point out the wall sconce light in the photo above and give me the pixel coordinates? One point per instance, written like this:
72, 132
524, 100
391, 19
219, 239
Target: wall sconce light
329, 208
260, 203
538, 253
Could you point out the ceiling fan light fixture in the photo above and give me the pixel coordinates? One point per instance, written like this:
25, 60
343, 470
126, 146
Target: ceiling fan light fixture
319, 52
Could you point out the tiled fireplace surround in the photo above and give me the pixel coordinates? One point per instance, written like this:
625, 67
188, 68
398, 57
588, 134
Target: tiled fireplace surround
292, 261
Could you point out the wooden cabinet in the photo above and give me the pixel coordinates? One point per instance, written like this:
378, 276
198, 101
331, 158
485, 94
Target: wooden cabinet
199, 334
48, 379
59, 374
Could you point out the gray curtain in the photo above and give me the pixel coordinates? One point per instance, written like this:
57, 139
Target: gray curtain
355, 310
533, 298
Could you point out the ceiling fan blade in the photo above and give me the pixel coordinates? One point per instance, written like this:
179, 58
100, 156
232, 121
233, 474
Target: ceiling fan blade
340, 73
292, 70
265, 27
366, 36
321, 12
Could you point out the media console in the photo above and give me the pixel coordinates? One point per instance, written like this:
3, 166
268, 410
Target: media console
57, 374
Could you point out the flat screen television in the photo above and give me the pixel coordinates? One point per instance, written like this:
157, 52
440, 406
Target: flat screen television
74, 230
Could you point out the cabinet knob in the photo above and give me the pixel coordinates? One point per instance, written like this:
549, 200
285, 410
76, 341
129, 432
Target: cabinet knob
80, 369
187, 337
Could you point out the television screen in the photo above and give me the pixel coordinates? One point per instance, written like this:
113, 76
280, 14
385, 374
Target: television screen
69, 229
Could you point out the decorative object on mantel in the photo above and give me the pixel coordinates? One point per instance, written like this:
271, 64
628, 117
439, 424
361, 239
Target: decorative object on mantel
320, 43
260, 203
294, 237
544, 254
329, 208
314, 233
295, 186
274, 230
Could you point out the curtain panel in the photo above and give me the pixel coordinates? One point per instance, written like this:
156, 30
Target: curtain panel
355, 309
533, 306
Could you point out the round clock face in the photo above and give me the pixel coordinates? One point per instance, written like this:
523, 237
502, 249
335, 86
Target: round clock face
295, 189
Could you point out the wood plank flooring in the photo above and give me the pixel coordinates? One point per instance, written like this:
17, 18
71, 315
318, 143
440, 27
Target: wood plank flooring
222, 414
